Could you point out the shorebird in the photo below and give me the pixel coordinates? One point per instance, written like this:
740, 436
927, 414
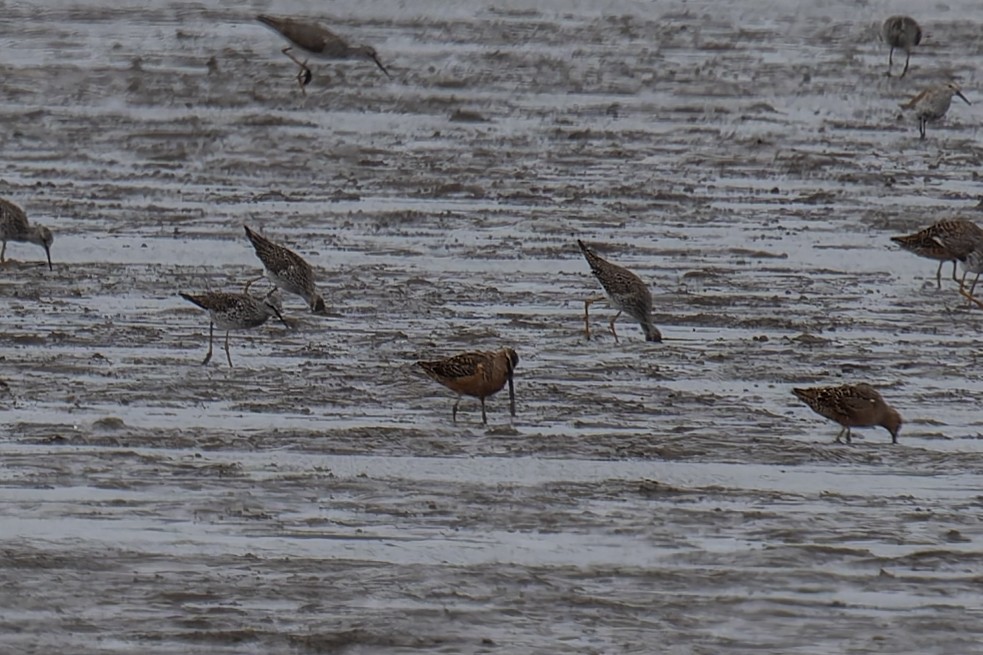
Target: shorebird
948, 240
235, 311
14, 226
852, 406
932, 104
476, 374
287, 270
317, 40
901, 32
625, 291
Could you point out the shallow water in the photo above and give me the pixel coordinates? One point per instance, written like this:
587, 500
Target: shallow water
748, 161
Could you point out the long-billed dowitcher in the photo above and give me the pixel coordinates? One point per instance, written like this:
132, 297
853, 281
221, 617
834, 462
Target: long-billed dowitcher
235, 311
901, 32
625, 291
852, 406
14, 226
948, 240
287, 270
476, 374
317, 40
933, 103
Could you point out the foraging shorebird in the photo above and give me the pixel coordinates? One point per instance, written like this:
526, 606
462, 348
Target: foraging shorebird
317, 40
625, 291
949, 240
932, 104
901, 32
14, 226
476, 374
287, 270
852, 406
235, 311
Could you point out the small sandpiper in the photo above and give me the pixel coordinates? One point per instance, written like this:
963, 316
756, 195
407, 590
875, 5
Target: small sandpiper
287, 270
476, 374
14, 226
901, 32
317, 40
932, 104
948, 240
625, 291
235, 311
852, 406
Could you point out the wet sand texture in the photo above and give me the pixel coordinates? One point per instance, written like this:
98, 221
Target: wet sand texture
745, 159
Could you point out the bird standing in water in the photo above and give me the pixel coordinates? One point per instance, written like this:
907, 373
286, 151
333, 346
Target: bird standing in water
317, 40
14, 226
901, 32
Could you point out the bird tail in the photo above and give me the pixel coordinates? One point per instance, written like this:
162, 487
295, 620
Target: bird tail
194, 299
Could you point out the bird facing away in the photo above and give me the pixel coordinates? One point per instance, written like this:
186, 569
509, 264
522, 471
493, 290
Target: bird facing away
287, 270
625, 291
852, 406
317, 40
14, 226
235, 311
901, 32
476, 374
933, 103
948, 240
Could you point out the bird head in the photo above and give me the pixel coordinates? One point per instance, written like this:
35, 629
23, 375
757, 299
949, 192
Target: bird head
956, 91
368, 52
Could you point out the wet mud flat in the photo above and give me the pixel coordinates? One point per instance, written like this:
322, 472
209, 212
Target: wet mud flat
747, 161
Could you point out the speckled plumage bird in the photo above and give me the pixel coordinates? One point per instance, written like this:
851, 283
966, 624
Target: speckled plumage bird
625, 291
317, 40
287, 270
235, 311
14, 226
852, 406
933, 103
476, 374
948, 240
901, 32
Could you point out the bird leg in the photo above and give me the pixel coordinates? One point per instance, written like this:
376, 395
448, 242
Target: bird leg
2, 251
227, 355
611, 325
484, 418
305, 75
454, 411
587, 304
906, 60
921, 127
954, 265
211, 331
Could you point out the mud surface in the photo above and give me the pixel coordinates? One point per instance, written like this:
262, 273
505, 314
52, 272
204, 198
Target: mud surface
746, 159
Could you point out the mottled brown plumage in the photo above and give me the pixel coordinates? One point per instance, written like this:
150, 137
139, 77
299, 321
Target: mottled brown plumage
14, 226
476, 374
287, 270
625, 291
317, 40
901, 32
235, 311
852, 406
948, 240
